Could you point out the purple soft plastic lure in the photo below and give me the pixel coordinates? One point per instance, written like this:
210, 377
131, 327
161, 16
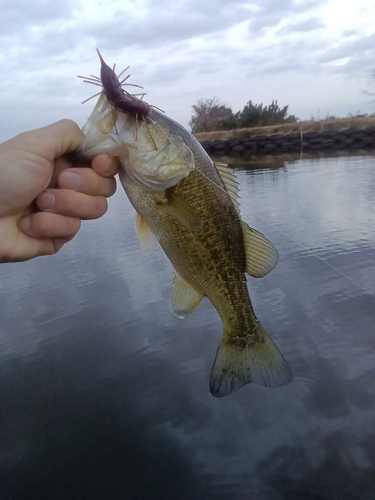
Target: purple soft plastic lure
116, 96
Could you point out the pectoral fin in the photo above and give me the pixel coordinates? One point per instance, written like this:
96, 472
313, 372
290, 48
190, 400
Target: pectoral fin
184, 298
183, 212
261, 255
147, 240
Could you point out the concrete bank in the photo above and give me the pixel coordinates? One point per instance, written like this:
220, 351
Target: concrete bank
311, 141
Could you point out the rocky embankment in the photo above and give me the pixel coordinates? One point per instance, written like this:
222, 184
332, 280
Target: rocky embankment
310, 141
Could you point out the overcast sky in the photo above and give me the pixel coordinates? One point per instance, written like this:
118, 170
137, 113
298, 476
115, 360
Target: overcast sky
314, 55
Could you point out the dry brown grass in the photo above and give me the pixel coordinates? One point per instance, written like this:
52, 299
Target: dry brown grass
337, 124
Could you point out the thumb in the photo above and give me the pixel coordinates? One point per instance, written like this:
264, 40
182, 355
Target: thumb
54, 140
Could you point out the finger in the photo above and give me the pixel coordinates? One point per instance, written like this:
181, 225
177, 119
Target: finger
38, 248
54, 140
43, 225
46, 247
60, 164
62, 137
105, 165
72, 204
28, 248
63, 163
86, 181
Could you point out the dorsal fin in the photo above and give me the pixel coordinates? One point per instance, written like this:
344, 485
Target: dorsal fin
230, 182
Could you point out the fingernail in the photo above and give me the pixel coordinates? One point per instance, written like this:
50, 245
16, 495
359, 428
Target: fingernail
24, 224
46, 200
71, 179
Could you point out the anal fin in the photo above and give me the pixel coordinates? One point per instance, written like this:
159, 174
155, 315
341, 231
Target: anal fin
184, 298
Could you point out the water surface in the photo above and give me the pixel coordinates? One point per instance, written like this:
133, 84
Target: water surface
104, 394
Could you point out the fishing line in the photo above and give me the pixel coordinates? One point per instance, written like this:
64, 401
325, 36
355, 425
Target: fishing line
213, 182
317, 256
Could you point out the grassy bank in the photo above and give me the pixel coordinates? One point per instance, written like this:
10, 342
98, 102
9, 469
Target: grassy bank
337, 124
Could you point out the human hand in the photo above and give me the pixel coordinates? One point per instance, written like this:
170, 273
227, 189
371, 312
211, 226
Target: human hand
43, 195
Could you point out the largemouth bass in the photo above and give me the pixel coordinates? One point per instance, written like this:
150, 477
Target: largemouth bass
189, 205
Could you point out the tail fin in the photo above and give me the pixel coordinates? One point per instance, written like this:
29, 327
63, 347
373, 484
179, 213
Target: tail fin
236, 365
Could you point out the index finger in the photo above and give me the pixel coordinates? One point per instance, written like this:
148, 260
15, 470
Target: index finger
106, 165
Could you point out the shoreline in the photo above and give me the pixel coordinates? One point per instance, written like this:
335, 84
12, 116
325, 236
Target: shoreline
281, 159
344, 133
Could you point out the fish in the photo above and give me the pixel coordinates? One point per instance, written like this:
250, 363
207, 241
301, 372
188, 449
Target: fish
189, 205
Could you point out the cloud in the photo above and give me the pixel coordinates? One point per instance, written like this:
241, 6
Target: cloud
310, 24
360, 64
285, 57
270, 13
16, 15
171, 22
361, 49
179, 51
350, 32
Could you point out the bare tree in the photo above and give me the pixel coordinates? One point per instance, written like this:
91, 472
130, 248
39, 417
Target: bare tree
206, 114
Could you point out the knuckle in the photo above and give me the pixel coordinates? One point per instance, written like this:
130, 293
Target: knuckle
67, 201
90, 182
68, 124
95, 182
80, 205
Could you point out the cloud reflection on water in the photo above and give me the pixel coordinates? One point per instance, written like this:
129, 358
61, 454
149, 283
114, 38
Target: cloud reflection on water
105, 394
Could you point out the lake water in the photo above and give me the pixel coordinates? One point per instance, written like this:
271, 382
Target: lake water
104, 394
